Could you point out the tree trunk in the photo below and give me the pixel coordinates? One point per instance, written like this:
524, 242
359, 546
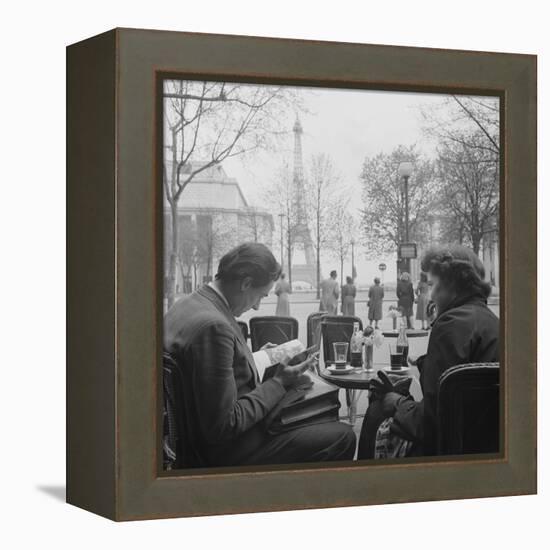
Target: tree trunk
476, 241
171, 278
341, 281
318, 271
209, 261
318, 251
289, 248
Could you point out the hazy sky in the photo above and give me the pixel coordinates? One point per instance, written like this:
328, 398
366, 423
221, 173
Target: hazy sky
348, 125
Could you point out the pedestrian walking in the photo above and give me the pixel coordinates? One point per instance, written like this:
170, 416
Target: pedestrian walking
422, 299
376, 297
329, 294
282, 291
349, 292
405, 297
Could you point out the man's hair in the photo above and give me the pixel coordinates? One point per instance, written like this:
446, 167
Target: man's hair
376, 281
333, 273
349, 280
252, 260
458, 266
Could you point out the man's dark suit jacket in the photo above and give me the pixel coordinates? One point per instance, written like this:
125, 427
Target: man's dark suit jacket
467, 332
224, 399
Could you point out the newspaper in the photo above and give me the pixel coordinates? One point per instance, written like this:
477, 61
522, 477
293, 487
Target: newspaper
267, 357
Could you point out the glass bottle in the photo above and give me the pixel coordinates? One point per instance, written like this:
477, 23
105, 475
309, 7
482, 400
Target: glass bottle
403, 343
356, 347
368, 349
368, 364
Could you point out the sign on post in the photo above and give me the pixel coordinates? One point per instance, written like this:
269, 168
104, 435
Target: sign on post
382, 267
407, 250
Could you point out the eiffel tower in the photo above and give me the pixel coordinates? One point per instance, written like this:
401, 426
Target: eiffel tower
302, 236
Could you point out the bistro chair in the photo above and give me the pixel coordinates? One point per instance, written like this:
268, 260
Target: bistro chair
337, 328
244, 329
468, 409
272, 328
177, 445
313, 325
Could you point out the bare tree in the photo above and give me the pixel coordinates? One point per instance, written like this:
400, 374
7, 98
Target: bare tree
383, 213
343, 227
189, 257
202, 241
211, 122
467, 132
321, 186
257, 225
470, 190
280, 195
458, 117
214, 237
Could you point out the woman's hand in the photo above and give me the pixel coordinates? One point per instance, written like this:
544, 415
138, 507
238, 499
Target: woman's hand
389, 403
413, 361
381, 386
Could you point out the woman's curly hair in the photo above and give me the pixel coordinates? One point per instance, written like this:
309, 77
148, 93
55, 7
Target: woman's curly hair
458, 267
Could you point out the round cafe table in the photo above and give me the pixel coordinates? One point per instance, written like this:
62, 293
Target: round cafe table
358, 380
353, 383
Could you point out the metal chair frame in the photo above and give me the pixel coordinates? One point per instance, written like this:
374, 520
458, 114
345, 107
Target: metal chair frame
286, 329
457, 388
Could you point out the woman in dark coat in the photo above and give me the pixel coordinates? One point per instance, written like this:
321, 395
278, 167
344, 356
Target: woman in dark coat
348, 297
376, 297
405, 297
465, 331
423, 297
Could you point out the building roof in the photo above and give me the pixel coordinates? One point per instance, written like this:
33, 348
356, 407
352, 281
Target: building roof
211, 188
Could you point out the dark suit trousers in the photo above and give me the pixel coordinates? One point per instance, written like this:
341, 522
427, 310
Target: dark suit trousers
316, 443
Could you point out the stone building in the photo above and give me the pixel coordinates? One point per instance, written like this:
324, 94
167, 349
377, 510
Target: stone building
213, 217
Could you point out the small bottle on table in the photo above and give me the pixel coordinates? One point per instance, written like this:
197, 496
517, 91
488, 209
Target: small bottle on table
356, 347
368, 338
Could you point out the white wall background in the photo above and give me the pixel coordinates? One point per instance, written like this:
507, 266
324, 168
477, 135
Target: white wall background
32, 218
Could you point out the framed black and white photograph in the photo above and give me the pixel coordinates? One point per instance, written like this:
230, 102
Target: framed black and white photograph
281, 204
324, 254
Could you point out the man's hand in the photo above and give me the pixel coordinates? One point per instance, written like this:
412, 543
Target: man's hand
413, 361
293, 375
269, 345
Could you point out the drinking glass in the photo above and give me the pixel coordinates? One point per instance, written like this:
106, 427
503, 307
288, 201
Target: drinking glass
396, 357
340, 353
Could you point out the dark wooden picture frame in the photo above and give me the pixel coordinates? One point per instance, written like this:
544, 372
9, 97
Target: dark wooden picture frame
114, 274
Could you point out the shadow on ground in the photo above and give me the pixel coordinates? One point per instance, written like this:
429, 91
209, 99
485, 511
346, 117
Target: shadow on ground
58, 492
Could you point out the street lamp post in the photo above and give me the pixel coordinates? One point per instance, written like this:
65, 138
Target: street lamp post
352, 242
281, 216
289, 250
405, 170
353, 259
